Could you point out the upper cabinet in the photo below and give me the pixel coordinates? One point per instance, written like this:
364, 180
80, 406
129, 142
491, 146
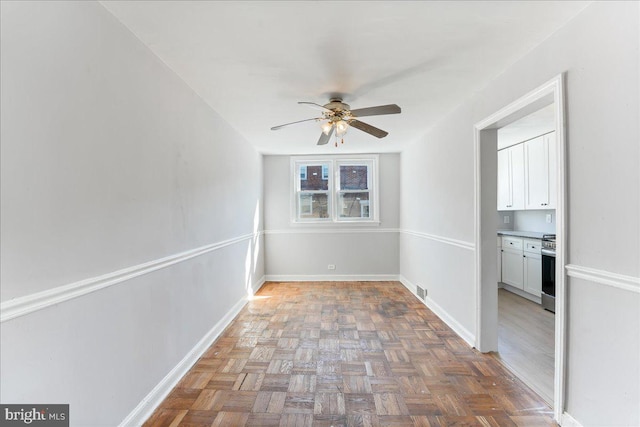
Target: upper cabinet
526, 174
539, 172
511, 178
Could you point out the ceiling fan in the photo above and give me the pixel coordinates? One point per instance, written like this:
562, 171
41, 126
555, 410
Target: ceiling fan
338, 116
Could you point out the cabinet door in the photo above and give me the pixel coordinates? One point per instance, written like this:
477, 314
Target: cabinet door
550, 139
517, 176
512, 268
533, 273
511, 178
540, 172
504, 180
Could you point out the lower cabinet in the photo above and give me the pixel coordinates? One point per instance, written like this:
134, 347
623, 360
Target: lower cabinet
532, 273
522, 264
512, 273
499, 259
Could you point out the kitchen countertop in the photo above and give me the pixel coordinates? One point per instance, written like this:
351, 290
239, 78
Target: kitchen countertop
526, 234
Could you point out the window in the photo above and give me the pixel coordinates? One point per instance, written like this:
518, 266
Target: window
325, 171
312, 192
353, 191
336, 190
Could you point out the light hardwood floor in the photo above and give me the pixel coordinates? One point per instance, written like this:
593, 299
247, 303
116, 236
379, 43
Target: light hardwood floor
526, 341
346, 354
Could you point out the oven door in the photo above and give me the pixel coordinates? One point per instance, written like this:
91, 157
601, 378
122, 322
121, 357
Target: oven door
548, 280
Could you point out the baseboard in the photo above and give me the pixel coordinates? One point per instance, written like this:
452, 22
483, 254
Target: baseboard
441, 313
521, 293
145, 408
331, 277
568, 421
257, 285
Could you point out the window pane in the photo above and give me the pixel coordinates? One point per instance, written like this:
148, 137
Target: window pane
314, 179
353, 205
313, 205
353, 178
303, 172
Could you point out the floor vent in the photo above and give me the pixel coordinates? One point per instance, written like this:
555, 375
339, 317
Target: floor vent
421, 292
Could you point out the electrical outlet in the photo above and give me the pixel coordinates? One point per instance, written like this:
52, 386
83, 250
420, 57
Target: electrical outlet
549, 217
506, 219
331, 267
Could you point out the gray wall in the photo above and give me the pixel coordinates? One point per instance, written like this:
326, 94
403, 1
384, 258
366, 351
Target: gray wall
598, 50
109, 161
303, 251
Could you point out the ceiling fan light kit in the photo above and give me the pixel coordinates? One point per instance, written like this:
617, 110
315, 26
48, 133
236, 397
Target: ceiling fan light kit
338, 116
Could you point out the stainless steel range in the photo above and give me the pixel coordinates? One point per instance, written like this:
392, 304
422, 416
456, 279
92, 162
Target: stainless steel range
548, 252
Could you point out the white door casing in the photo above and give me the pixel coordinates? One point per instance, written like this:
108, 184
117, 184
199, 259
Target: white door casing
486, 334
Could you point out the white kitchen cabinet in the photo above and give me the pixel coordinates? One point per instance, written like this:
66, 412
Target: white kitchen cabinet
499, 259
532, 267
512, 260
511, 184
539, 169
522, 264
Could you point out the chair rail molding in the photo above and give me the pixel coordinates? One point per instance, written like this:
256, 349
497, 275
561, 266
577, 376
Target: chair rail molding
601, 277
26, 304
330, 230
459, 243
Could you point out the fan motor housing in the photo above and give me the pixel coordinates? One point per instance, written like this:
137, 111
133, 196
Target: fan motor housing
336, 104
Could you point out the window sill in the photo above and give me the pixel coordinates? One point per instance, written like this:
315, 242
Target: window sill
333, 224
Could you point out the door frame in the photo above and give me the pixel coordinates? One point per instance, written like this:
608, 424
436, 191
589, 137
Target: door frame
486, 287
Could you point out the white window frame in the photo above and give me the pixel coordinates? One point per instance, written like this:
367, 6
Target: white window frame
334, 163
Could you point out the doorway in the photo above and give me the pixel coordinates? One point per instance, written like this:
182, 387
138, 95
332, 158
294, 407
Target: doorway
486, 224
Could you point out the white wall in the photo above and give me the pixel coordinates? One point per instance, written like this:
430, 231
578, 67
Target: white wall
303, 252
535, 221
110, 162
598, 50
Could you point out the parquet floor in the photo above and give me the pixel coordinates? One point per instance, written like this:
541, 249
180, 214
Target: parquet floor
345, 354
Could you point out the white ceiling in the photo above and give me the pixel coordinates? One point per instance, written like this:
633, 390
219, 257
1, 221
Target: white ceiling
252, 61
530, 126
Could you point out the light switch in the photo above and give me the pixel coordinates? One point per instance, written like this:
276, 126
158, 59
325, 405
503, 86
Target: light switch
548, 218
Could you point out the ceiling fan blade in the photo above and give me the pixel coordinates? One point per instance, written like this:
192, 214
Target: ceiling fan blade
376, 111
293, 123
324, 138
314, 105
372, 130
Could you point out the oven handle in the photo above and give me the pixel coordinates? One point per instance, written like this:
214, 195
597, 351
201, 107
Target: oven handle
548, 252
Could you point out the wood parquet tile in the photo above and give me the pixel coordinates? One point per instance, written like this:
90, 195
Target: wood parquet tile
346, 354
